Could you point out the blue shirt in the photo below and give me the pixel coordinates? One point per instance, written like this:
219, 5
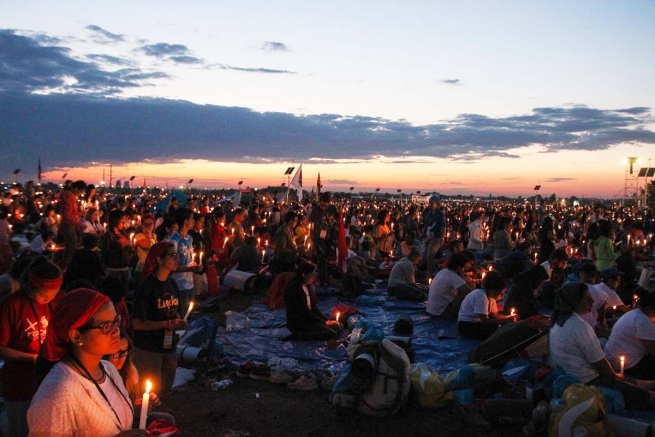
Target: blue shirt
184, 246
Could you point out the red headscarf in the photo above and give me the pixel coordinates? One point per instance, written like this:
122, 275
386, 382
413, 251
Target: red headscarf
73, 311
155, 252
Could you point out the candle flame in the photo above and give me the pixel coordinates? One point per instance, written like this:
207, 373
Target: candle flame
148, 386
512, 312
622, 358
338, 314
190, 305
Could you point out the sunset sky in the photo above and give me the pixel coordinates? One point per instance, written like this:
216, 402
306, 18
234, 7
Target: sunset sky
466, 97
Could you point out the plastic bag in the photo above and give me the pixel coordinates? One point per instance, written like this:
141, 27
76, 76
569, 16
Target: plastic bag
236, 321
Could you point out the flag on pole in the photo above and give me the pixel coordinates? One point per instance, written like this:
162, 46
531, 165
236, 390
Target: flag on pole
39, 177
296, 182
342, 251
318, 186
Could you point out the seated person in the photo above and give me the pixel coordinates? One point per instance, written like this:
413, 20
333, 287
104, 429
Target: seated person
304, 319
633, 337
610, 281
478, 316
522, 296
452, 247
517, 261
247, 256
448, 289
402, 281
286, 250
574, 347
596, 316
85, 263
557, 260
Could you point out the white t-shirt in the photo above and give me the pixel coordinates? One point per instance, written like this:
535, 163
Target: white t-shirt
547, 267
627, 333
613, 299
443, 290
475, 304
573, 347
599, 297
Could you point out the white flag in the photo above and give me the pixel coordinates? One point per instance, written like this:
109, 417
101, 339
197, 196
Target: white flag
296, 182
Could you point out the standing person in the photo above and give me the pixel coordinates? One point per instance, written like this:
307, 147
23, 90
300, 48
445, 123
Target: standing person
115, 249
434, 221
82, 395
24, 319
476, 237
383, 235
235, 228
322, 220
503, 244
183, 242
606, 256
200, 246
286, 250
143, 241
155, 317
70, 219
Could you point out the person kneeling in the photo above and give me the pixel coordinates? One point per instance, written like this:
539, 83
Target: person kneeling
478, 316
304, 319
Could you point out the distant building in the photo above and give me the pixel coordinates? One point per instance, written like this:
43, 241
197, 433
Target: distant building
118, 184
126, 185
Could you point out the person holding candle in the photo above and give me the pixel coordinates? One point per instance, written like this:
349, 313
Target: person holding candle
115, 248
503, 243
304, 319
522, 297
24, 320
143, 241
82, 395
574, 347
402, 279
155, 317
633, 336
285, 248
434, 222
606, 255
200, 250
478, 315
448, 289
70, 219
186, 267
476, 236
235, 229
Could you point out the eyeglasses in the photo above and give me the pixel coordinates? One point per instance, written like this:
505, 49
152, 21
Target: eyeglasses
172, 255
120, 354
106, 328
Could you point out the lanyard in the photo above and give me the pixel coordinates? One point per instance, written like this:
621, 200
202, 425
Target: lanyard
102, 393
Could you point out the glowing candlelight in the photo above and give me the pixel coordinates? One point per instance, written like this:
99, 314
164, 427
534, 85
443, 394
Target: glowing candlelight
483, 275
52, 247
491, 268
232, 231
132, 240
263, 255
512, 312
266, 243
252, 231
200, 261
622, 358
144, 405
338, 314
614, 307
429, 281
188, 311
309, 245
193, 257
225, 242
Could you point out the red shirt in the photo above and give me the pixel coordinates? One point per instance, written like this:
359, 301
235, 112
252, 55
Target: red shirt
23, 326
69, 210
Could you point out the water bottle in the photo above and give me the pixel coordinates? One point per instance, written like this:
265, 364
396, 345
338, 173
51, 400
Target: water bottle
221, 385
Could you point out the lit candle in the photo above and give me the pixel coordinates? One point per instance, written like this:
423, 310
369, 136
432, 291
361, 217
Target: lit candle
52, 247
512, 312
252, 231
233, 231
266, 243
429, 281
263, 255
132, 240
225, 242
200, 261
188, 311
622, 358
193, 257
483, 275
491, 268
144, 405
338, 314
309, 245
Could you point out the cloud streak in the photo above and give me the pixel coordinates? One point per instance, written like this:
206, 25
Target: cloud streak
270, 46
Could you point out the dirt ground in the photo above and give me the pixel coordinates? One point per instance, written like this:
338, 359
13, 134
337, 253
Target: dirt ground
260, 408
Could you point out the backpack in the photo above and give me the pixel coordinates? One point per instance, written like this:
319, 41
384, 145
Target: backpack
388, 391
584, 414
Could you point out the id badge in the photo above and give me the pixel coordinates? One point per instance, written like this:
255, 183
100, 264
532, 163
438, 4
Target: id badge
168, 339
323, 234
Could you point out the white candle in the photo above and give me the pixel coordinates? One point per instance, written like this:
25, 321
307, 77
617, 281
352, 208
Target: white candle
252, 231
225, 242
200, 261
512, 312
132, 242
193, 257
263, 255
338, 314
188, 311
144, 405
622, 358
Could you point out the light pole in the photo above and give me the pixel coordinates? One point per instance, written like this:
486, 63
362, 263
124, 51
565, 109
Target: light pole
239, 197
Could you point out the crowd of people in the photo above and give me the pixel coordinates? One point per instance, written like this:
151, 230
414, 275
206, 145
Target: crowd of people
96, 285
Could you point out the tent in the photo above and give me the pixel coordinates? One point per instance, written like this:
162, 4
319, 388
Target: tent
163, 204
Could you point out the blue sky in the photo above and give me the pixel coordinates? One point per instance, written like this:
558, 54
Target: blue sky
452, 90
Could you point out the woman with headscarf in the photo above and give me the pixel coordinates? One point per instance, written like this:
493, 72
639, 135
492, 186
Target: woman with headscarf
82, 395
574, 347
155, 317
24, 319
